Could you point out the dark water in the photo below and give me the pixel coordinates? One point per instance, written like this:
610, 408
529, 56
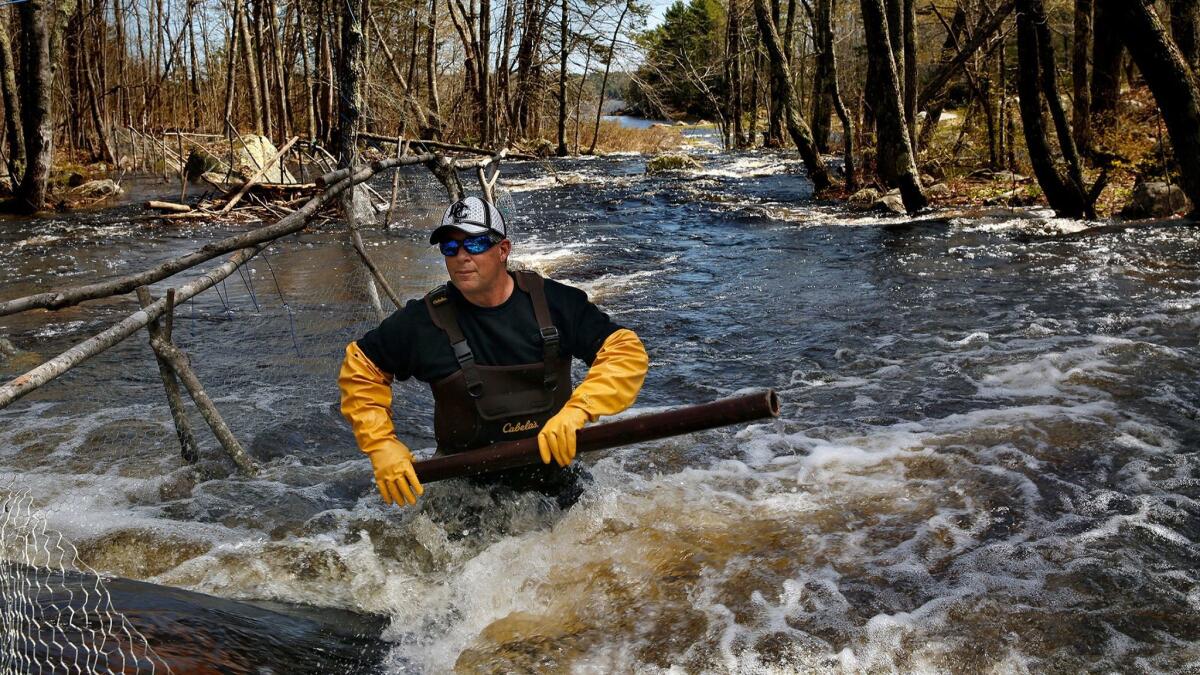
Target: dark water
986, 459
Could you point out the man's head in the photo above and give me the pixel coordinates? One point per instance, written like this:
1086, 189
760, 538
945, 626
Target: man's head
473, 238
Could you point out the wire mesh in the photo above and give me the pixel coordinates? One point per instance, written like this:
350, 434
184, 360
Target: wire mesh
56, 616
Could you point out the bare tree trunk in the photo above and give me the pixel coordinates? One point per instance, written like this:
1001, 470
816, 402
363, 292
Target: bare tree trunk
1064, 195
261, 70
326, 127
89, 77
1185, 29
349, 74
775, 95
431, 64
562, 81
485, 79
1169, 78
194, 79
256, 100
822, 103
731, 83
612, 46
231, 57
756, 67
122, 91
42, 24
825, 28
1107, 53
309, 92
1081, 103
587, 63
12, 104
910, 70
781, 76
285, 126
901, 168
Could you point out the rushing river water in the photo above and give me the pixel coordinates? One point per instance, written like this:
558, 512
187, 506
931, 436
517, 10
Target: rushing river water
987, 458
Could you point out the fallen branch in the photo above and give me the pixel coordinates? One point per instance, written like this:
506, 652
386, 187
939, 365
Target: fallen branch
288, 225
85, 350
168, 206
440, 145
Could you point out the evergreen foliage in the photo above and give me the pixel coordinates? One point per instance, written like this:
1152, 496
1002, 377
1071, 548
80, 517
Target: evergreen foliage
681, 61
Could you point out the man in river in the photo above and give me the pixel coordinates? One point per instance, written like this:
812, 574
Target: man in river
495, 346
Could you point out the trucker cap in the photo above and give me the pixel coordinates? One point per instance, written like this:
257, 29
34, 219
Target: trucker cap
471, 215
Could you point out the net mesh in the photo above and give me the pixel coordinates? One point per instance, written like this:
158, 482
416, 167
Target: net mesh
266, 343
56, 616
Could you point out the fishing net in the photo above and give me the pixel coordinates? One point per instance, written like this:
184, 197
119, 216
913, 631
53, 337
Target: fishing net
266, 343
56, 616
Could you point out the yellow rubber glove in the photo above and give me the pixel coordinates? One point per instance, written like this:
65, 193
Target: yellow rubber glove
612, 385
367, 405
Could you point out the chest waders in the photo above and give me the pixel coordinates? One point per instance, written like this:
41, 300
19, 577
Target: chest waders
479, 405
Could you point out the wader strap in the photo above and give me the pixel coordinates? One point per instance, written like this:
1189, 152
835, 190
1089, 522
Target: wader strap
442, 312
534, 285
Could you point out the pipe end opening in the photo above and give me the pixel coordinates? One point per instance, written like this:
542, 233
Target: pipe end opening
773, 402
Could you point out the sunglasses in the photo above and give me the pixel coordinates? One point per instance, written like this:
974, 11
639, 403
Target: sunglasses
480, 243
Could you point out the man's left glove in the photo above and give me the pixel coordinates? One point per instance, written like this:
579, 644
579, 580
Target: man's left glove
612, 385
394, 474
557, 438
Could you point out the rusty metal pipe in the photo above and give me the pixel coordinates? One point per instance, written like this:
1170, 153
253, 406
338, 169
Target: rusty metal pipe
649, 427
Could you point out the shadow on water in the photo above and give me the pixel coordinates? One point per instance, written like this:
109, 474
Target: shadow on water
187, 632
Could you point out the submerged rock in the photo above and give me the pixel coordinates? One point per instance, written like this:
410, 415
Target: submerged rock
7, 348
891, 204
864, 198
938, 191
1156, 200
671, 162
104, 187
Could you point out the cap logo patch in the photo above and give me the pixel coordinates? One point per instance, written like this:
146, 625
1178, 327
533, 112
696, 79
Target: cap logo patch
460, 210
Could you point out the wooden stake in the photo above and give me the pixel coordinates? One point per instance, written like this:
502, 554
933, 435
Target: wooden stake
179, 363
401, 150
356, 240
183, 426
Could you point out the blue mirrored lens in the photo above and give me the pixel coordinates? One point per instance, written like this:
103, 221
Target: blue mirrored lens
474, 245
478, 244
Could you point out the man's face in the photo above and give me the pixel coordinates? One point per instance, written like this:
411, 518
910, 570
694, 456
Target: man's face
481, 272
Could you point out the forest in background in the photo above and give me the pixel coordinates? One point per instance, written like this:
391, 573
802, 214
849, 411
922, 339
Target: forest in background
1093, 97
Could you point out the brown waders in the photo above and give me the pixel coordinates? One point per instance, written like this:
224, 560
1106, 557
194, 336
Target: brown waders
479, 405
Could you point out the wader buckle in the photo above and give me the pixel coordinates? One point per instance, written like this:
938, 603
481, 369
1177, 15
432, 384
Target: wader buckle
466, 361
550, 340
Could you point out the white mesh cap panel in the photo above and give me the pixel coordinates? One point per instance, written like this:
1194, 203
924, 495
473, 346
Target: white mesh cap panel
474, 211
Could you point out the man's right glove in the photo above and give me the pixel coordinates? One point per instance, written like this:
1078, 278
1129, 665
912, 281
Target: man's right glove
367, 405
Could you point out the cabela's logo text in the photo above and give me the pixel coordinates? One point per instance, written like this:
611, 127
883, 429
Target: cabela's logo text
510, 428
